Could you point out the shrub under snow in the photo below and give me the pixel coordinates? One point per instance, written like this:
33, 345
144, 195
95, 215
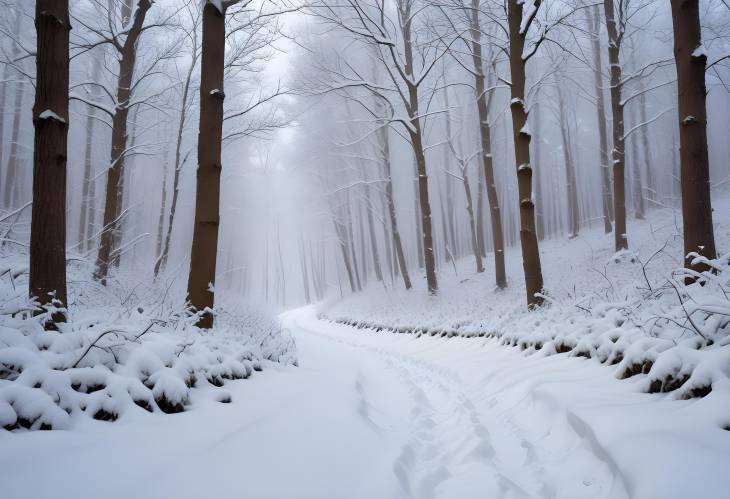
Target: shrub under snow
627, 310
124, 348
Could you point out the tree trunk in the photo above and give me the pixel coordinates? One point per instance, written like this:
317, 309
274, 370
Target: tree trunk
162, 257
127, 62
691, 60
637, 189
541, 224
486, 143
207, 198
528, 237
85, 215
650, 187
594, 24
570, 178
400, 257
369, 207
416, 136
12, 169
621, 240
50, 119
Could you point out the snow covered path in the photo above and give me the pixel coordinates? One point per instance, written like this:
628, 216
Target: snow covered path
385, 416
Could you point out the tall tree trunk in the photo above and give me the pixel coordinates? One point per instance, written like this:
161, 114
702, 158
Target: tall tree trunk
416, 136
207, 198
594, 26
570, 178
650, 182
163, 205
369, 207
467, 189
128, 57
637, 188
397, 243
621, 240
483, 101
691, 60
541, 224
50, 119
418, 217
12, 169
85, 214
528, 237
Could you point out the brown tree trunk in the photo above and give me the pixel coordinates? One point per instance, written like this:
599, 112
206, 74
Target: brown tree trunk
594, 23
621, 240
110, 222
541, 213
50, 119
691, 60
486, 143
416, 136
207, 198
528, 237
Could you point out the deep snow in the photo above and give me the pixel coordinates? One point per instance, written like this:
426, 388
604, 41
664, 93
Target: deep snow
371, 415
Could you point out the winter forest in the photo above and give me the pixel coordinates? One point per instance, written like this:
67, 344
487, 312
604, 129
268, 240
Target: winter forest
364, 249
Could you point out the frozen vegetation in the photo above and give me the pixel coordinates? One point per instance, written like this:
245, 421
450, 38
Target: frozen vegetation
630, 310
125, 349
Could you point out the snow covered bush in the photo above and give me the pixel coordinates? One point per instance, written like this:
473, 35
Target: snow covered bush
628, 310
126, 347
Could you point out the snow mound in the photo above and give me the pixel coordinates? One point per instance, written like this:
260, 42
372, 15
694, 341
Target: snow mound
122, 351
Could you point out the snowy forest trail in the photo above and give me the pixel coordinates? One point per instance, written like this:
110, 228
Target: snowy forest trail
371, 415
453, 438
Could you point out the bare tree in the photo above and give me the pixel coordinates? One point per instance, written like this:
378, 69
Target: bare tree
191, 34
125, 26
616, 27
594, 25
691, 61
50, 117
519, 25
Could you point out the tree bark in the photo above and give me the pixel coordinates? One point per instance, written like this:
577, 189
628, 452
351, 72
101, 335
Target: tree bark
528, 237
483, 103
621, 240
50, 119
650, 187
207, 198
594, 20
416, 136
128, 57
691, 61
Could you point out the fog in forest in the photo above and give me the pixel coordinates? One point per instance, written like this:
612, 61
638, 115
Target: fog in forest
313, 97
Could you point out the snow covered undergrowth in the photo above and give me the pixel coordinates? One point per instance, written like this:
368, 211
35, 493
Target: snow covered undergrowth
630, 310
126, 349
391, 416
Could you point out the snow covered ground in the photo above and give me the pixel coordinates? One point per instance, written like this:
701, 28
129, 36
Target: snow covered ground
629, 310
378, 415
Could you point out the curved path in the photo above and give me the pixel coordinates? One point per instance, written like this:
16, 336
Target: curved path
385, 416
